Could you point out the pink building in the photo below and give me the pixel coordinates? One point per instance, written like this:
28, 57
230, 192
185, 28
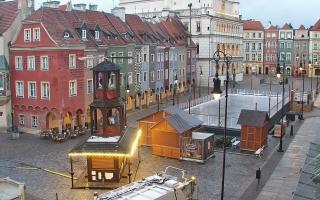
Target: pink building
271, 49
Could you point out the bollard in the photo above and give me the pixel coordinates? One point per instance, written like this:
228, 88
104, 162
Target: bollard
291, 130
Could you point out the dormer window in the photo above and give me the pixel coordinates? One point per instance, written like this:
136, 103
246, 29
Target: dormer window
66, 34
84, 34
97, 35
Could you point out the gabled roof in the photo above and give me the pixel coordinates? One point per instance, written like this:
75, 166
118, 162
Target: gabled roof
287, 26
178, 123
252, 118
302, 27
8, 13
106, 66
273, 28
252, 25
316, 26
192, 121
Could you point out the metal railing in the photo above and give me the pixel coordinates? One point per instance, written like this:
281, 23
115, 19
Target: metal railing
195, 102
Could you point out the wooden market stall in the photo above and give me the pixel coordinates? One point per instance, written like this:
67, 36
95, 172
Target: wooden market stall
254, 129
167, 133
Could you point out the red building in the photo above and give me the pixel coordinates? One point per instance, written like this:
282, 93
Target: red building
271, 49
47, 73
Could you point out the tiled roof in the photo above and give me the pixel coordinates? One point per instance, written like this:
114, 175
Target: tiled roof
272, 28
252, 25
143, 33
287, 26
316, 26
8, 13
302, 28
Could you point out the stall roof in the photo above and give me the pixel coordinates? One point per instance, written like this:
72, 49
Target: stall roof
106, 104
252, 118
178, 123
125, 146
192, 121
106, 66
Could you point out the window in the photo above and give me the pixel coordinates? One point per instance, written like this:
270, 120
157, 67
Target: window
32, 90
152, 57
129, 78
315, 58
282, 35
166, 74
282, 56
138, 78
288, 57
44, 63
268, 35
180, 57
22, 120
2, 78
72, 61
34, 121
31, 63
19, 89
260, 35
90, 86
253, 57
97, 35
247, 57
315, 46
282, 45
162, 74
19, 63
144, 76
27, 35
253, 46
152, 75
144, 57
273, 35
161, 57
129, 55
259, 46
84, 34
73, 88
158, 75
289, 45
36, 34
158, 57
90, 62
254, 35
120, 54
45, 90
259, 57
247, 46
100, 59
198, 27
289, 35
166, 56
113, 54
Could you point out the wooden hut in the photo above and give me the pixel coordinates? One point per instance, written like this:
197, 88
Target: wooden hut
254, 129
167, 133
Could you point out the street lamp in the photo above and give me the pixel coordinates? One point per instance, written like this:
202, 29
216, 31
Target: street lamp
190, 8
201, 74
174, 88
282, 114
302, 102
217, 93
126, 102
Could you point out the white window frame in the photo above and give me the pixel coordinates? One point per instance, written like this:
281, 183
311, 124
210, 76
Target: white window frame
152, 58
32, 94
145, 76
97, 35
45, 92
22, 120
2, 79
84, 34
129, 78
29, 64
19, 63
27, 38
158, 75
120, 54
73, 88
34, 121
44, 66
152, 76
166, 74
72, 61
89, 85
130, 55
36, 36
138, 78
18, 90
90, 62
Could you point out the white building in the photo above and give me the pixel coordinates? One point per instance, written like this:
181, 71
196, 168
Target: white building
215, 25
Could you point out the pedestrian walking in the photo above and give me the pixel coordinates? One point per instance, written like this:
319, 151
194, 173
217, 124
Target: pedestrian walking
258, 175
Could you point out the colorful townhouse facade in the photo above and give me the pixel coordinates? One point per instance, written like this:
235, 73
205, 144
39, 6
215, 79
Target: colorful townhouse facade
55, 50
253, 41
11, 15
314, 49
270, 52
301, 49
285, 50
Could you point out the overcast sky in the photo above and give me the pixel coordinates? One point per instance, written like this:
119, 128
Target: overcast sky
277, 11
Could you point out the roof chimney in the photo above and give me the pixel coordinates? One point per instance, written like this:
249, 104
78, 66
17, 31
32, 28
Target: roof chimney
93, 7
51, 4
80, 6
119, 12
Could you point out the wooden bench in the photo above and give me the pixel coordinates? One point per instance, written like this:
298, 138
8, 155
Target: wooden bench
235, 142
259, 152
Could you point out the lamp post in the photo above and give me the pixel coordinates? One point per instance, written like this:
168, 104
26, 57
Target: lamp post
201, 74
302, 102
174, 88
126, 102
190, 8
217, 92
283, 82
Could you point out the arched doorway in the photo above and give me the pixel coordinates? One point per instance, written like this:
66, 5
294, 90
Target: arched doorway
79, 119
51, 121
67, 120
